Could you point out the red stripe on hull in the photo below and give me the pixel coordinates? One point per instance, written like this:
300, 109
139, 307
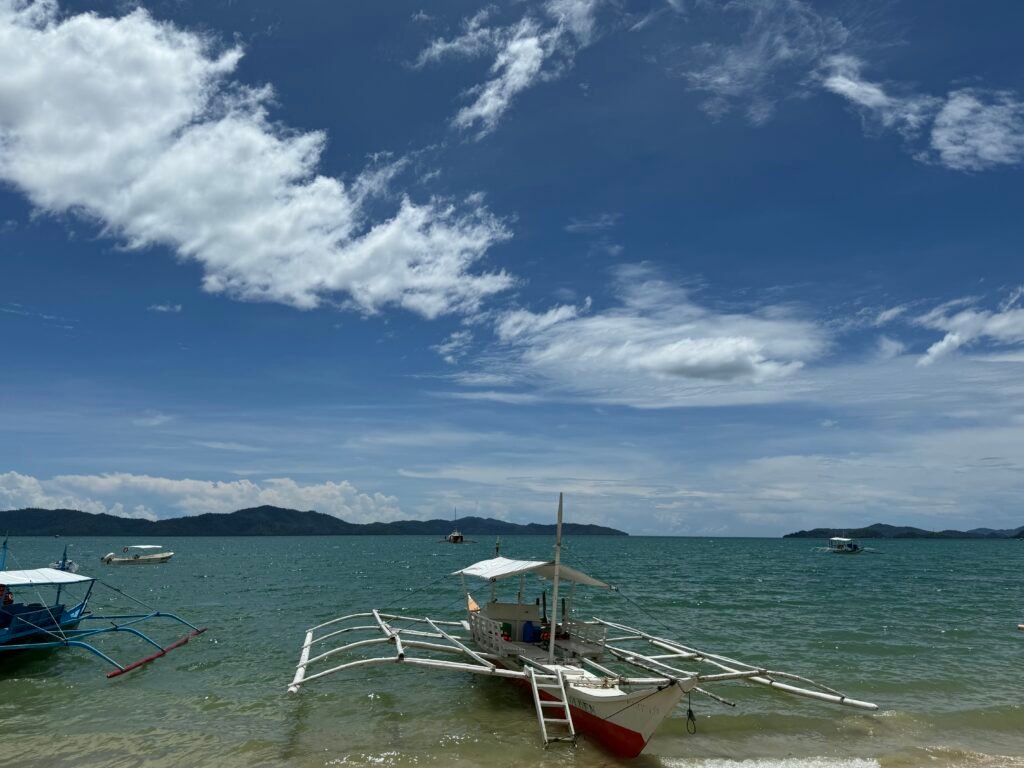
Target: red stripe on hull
621, 742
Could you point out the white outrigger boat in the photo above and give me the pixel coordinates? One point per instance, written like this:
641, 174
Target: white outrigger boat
840, 545
138, 554
586, 677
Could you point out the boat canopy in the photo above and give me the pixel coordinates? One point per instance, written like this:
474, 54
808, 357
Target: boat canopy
840, 539
39, 577
503, 567
145, 546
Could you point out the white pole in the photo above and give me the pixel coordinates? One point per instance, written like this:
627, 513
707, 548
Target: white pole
554, 591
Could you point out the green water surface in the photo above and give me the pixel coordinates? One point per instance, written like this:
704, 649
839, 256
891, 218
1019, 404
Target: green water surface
927, 629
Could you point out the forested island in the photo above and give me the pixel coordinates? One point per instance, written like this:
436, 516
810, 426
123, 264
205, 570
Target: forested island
263, 521
883, 531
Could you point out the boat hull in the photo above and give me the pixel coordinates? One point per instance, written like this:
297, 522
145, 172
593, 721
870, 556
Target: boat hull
140, 560
622, 722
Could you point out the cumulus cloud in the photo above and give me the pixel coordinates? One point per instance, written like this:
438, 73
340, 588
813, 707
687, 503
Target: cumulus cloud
971, 129
121, 494
540, 45
656, 348
137, 125
781, 43
964, 325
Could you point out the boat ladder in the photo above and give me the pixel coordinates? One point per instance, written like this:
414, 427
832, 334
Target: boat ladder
560, 702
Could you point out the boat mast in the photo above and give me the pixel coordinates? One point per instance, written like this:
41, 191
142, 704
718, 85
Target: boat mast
554, 591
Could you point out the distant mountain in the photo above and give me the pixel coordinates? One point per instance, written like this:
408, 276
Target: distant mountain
262, 521
883, 531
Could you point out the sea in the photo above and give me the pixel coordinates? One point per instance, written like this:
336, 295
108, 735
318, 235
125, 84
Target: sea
926, 629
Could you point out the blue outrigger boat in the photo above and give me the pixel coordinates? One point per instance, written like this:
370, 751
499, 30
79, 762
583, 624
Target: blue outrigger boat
69, 623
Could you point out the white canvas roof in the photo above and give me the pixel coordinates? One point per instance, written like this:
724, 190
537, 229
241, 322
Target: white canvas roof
503, 567
839, 538
40, 577
145, 546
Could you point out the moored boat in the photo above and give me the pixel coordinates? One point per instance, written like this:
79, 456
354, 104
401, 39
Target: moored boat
65, 620
839, 545
609, 681
138, 554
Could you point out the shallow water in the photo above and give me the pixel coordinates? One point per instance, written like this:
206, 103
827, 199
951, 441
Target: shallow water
924, 628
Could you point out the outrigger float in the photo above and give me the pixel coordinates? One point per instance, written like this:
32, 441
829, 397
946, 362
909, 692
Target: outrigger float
68, 623
586, 677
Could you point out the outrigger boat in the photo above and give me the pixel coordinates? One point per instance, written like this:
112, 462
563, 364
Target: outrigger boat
69, 623
840, 545
585, 677
138, 554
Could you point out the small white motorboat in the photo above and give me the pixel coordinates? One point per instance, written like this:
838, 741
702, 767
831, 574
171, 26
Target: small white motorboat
138, 554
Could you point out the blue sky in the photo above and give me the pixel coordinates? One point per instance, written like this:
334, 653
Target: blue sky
709, 268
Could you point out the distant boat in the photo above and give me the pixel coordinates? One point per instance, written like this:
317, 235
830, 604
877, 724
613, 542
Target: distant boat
138, 554
838, 545
68, 566
63, 620
456, 537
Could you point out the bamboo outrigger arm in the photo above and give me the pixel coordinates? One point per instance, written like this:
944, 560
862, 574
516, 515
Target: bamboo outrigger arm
731, 668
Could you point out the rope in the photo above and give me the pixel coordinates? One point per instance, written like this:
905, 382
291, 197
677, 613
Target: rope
626, 597
125, 594
415, 591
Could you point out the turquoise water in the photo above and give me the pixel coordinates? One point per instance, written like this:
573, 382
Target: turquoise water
927, 629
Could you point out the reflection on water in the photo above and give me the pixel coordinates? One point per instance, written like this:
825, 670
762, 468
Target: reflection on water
926, 629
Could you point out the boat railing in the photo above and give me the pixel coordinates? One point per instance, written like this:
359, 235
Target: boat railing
487, 634
586, 632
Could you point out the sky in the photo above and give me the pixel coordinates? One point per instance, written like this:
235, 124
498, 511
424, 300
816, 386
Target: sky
708, 268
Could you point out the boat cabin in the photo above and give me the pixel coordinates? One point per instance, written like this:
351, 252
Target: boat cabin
524, 628
843, 546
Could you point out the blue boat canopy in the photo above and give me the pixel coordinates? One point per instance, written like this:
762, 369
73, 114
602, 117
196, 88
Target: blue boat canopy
40, 577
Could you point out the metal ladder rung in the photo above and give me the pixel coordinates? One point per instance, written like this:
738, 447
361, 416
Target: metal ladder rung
562, 702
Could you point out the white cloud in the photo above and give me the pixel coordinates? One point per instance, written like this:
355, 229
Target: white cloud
455, 346
889, 348
517, 323
783, 40
171, 308
475, 40
971, 129
886, 316
976, 130
136, 124
964, 326
152, 419
516, 67
657, 348
907, 114
538, 46
114, 492
592, 226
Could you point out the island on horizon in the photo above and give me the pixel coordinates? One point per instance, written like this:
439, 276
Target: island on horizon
885, 531
264, 521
